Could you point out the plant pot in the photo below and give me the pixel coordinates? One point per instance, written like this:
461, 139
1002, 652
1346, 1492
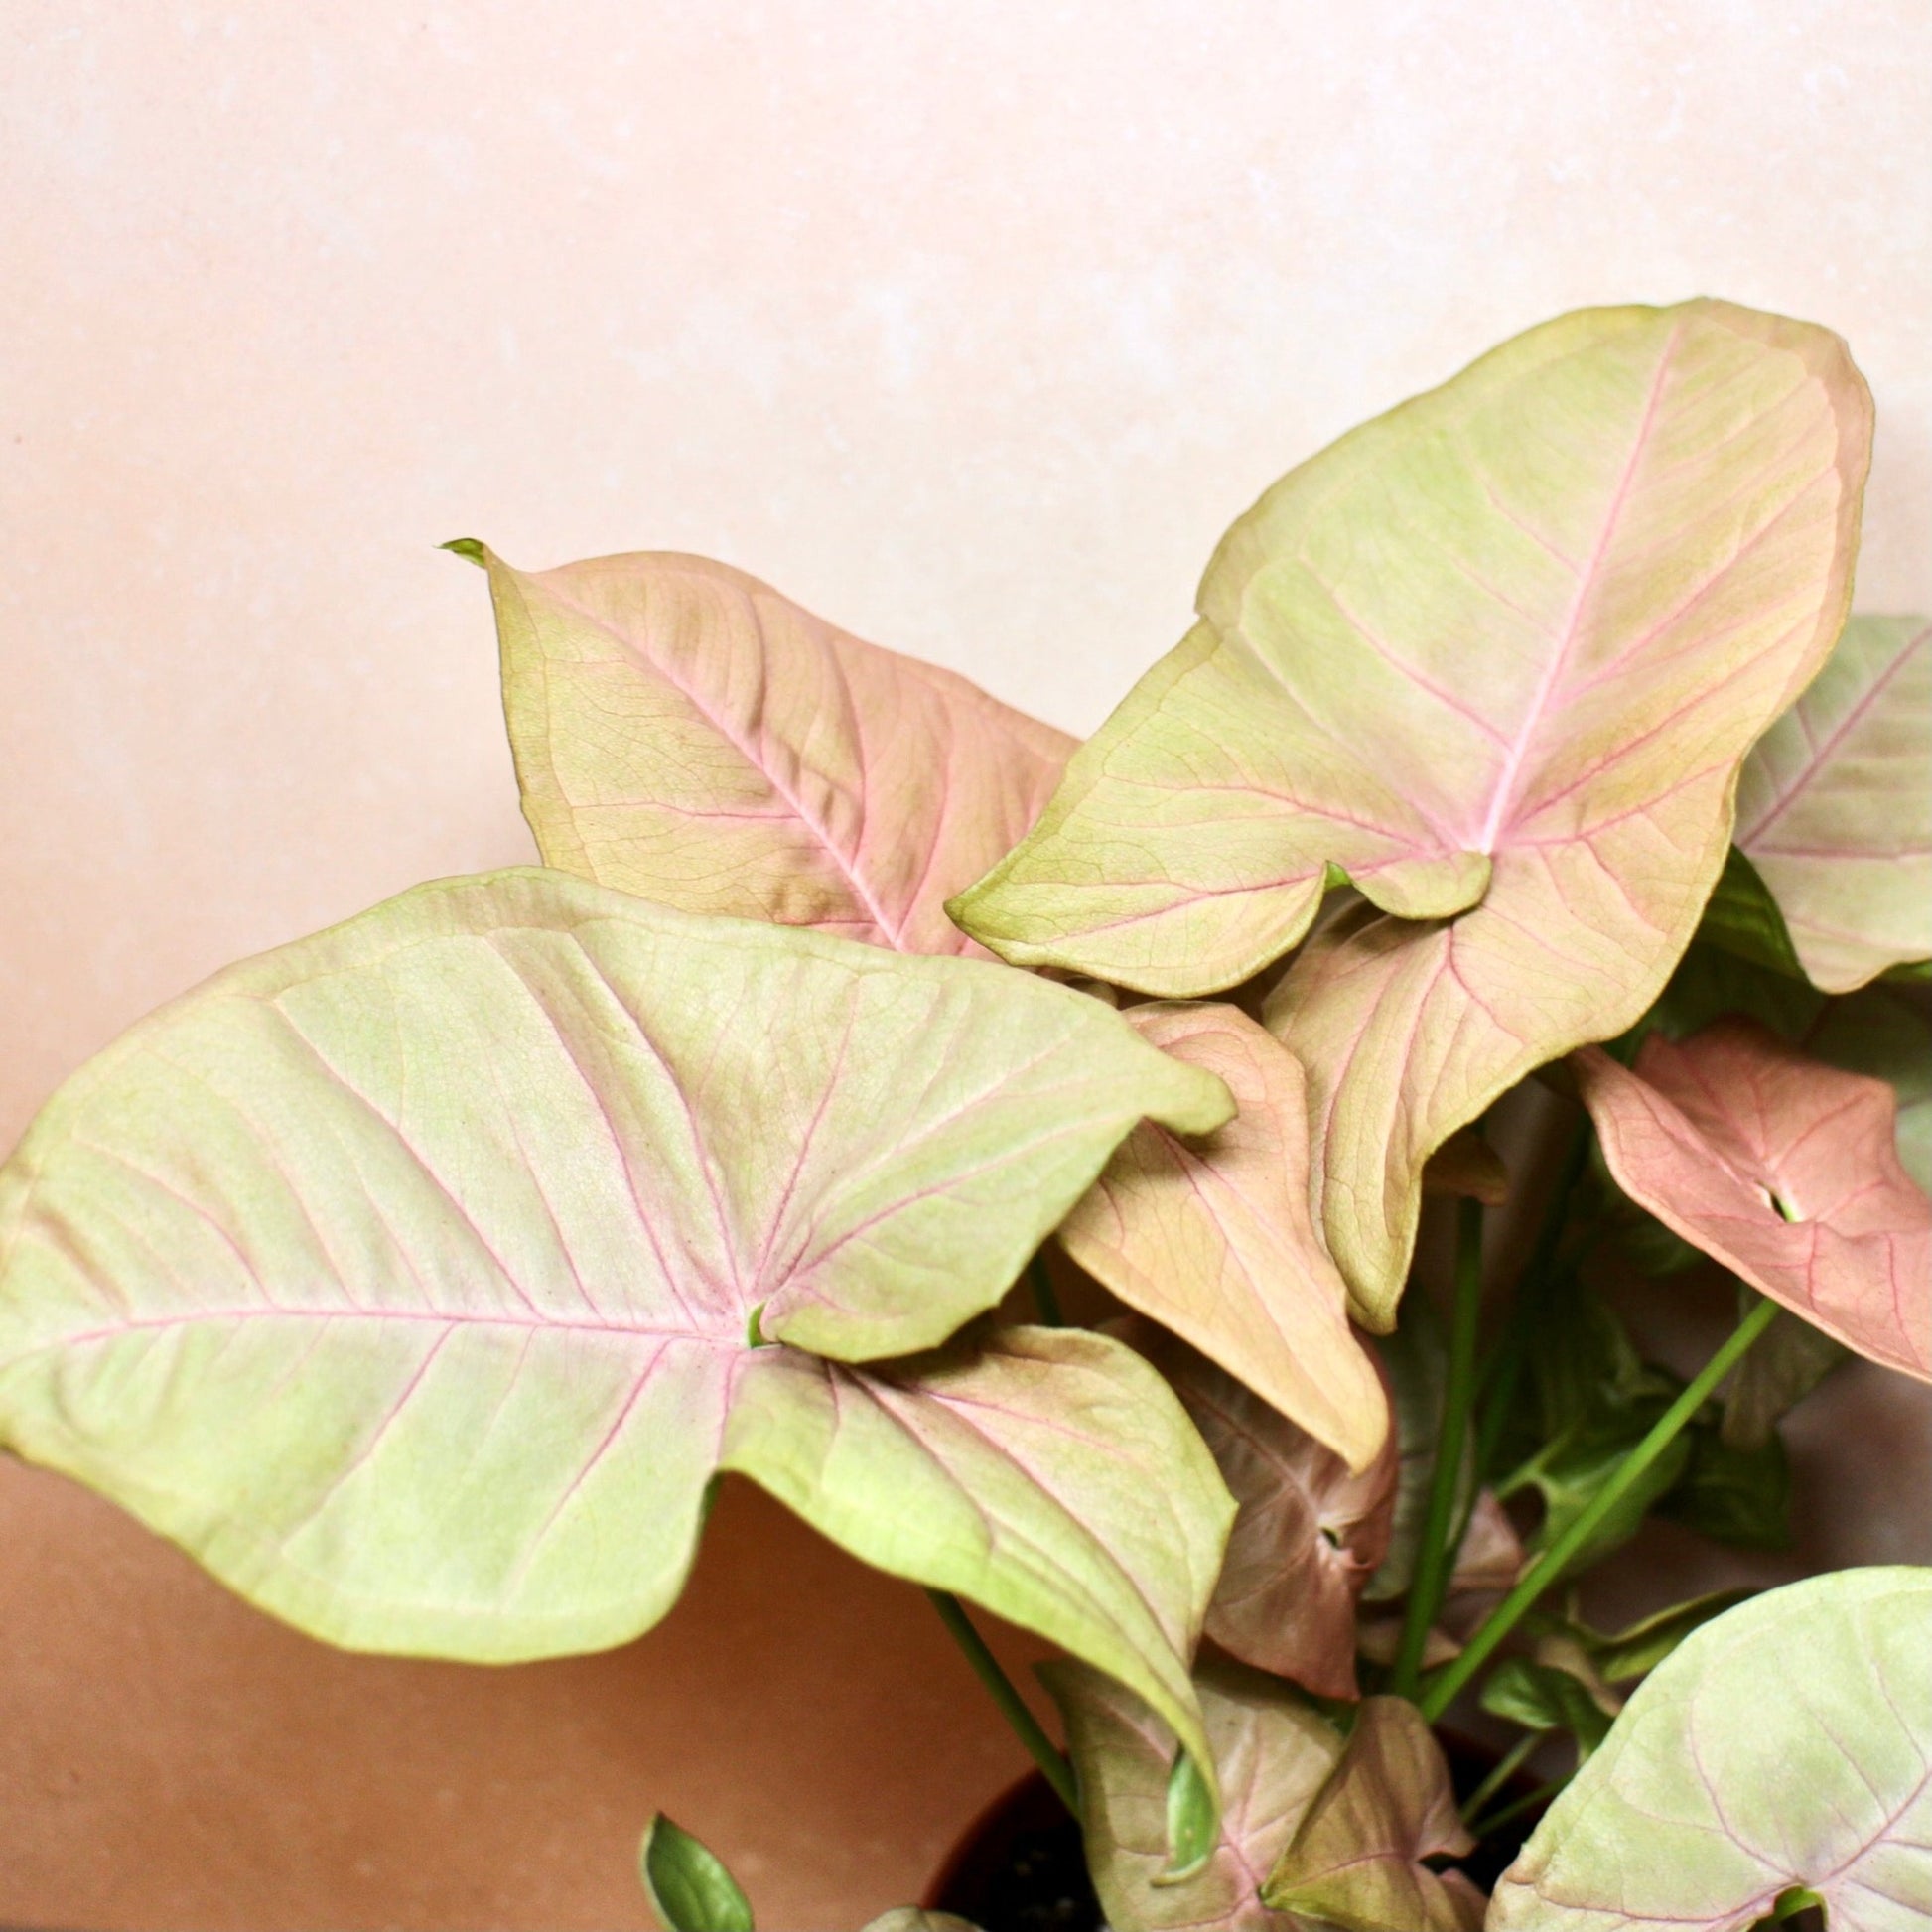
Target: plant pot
1019, 1865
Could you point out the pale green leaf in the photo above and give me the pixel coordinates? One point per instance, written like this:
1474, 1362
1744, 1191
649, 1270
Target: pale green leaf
685, 733
1273, 1753
1048, 1476
1782, 1746
405, 1277
1835, 809
688, 1884
1498, 656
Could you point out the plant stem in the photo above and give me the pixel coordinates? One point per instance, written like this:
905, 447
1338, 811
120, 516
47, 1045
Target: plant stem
1505, 1368
1012, 1707
1512, 1762
1044, 1300
1434, 1556
1517, 1807
1443, 1689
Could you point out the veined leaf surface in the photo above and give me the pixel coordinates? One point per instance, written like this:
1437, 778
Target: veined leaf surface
1273, 1752
1835, 809
685, 733
1213, 1238
1357, 1860
1308, 1533
1781, 1748
1497, 657
406, 1275
1783, 1169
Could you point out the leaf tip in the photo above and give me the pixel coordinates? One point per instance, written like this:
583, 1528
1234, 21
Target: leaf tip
468, 547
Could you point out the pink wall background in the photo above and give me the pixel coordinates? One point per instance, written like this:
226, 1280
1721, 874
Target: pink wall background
971, 328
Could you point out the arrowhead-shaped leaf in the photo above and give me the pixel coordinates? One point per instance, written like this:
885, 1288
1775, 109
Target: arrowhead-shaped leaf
1273, 1752
404, 1276
1782, 1748
1356, 1860
1497, 654
1213, 1238
1835, 812
1308, 1532
1781, 1167
684, 732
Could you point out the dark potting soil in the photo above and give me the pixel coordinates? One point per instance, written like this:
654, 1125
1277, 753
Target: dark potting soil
1019, 1866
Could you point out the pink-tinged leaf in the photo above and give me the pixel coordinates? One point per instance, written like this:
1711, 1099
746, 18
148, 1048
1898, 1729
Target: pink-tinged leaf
1781, 1167
1307, 1533
1357, 1860
1497, 656
1213, 1238
684, 732
1046, 1473
1835, 810
1785, 1748
1273, 1753
406, 1275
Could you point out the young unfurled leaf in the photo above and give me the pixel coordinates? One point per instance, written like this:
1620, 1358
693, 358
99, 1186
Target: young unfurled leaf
688, 1886
1497, 656
1781, 1746
1835, 812
1784, 1169
404, 1276
1307, 1533
1213, 1238
1273, 1753
1356, 1860
684, 732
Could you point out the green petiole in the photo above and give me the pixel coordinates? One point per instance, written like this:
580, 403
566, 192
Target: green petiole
1012, 1707
1434, 1555
1444, 1688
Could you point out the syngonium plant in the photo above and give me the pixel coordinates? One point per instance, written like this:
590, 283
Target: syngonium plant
422, 1277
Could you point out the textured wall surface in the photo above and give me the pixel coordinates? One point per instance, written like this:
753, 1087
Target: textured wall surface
971, 328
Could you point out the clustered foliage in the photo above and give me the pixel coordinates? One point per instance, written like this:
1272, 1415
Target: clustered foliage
421, 1277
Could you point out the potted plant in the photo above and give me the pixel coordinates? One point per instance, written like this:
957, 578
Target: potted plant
421, 1278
